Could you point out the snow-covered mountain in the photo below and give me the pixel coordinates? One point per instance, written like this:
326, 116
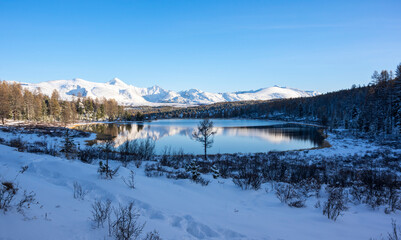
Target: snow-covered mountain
130, 95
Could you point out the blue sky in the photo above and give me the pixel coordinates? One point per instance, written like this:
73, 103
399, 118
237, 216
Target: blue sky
213, 45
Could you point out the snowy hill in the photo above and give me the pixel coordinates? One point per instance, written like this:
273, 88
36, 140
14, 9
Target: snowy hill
130, 95
177, 209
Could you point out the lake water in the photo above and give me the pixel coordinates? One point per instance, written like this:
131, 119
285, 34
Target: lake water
232, 136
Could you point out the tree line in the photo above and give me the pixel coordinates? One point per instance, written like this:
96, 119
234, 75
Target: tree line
375, 108
17, 103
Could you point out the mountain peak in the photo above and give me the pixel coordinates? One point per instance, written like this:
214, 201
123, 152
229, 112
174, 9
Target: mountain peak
116, 82
130, 95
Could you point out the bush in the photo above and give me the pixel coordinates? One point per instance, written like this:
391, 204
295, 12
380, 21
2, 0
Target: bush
79, 193
154, 170
100, 212
137, 151
335, 204
248, 179
289, 195
106, 172
396, 233
25, 203
146, 149
88, 154
180, 174
18, 143
309, 187
394, 202
126, 225
154, 235
51, 150
130, 182
201, 181
8, 191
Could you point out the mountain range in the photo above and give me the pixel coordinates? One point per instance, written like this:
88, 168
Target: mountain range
129, 95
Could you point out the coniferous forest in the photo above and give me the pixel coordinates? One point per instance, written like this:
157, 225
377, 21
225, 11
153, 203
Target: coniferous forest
374, 109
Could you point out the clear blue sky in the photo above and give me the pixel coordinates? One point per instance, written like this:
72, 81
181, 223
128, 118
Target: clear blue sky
213, 45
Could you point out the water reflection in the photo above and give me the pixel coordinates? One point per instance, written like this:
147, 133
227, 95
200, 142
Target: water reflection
228, 139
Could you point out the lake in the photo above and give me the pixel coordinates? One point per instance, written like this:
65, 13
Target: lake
232, 136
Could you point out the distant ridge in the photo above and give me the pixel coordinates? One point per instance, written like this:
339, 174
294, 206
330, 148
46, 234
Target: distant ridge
153, 96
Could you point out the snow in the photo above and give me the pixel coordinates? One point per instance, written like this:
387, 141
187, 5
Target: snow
154, 96
178, 209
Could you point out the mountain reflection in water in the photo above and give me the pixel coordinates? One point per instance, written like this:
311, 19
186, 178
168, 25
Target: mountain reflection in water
228, 139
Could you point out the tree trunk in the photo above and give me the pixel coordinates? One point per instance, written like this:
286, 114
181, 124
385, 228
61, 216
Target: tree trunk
205, 153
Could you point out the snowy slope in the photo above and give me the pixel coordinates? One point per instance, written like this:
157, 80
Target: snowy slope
130, 95
178, 209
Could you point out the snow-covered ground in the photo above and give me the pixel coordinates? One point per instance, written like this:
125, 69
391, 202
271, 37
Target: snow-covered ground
177, 209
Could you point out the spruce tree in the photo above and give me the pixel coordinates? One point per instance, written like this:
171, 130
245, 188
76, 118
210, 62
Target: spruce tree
215, 172
68, 145
193, 168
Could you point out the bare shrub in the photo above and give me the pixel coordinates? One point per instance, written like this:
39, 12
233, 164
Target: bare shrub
126, 149
335, 204
224, 168
88, 154
130, 181
154, 170
79, 192
309, 187
126, 225
100, 212
146, 151
154, 235
248, 179
396, 233
8, 191
52, 150
180, 174
18, 143
25, 203
106, 172
201, 181
289, 195
394, 202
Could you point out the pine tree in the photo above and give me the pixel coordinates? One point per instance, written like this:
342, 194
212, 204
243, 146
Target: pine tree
204, 134
69, 147
215, 172
193, 168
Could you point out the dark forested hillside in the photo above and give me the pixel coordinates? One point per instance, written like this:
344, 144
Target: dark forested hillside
375, 108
